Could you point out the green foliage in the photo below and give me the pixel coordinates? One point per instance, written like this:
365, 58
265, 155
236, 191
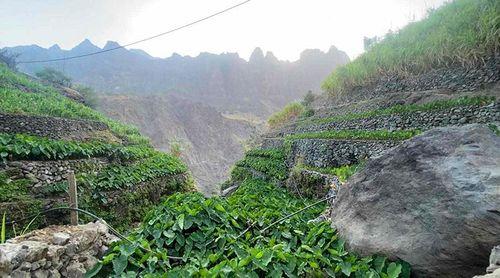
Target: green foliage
289, 113
122, 176
46, 101
463, 31
211, 237
88, 95
53, 76
356, 135
308, 99
20, 146
269, 162
343, 173
267, 153
176, 148
407, 109
495, 129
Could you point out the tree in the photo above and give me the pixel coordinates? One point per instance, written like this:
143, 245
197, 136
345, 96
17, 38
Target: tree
88, 95
308, 98
53, 76
8, 58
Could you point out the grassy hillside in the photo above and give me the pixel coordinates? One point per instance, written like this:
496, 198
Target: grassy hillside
462, 32
120, 191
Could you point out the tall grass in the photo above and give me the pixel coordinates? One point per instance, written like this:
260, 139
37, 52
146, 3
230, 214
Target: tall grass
289, 113
462, 32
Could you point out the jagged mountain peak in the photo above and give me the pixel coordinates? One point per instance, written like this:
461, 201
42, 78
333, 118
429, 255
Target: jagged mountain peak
85, 45
111, 44
257, 55
55, 47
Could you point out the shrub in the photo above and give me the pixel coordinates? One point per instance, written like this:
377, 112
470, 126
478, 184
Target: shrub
53, 76
291, 112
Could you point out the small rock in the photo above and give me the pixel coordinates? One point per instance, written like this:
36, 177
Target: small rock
60, 238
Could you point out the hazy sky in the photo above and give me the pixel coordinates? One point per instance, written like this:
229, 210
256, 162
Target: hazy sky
285, 27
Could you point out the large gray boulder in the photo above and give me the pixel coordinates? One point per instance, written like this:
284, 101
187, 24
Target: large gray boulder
433, 201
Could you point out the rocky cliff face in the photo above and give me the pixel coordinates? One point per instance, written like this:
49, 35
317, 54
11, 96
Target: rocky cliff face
210, 142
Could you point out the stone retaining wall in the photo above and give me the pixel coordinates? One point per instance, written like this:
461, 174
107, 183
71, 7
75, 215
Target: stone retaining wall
56, 251
335, 153
43, 173
51, 127
423, 120
455, 79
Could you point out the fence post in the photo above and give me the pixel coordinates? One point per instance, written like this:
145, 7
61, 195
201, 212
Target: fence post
73, 198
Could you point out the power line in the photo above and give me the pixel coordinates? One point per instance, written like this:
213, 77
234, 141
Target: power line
139, 41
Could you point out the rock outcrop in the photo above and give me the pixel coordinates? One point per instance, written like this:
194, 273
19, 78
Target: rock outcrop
67, 251
432, 201
493, 270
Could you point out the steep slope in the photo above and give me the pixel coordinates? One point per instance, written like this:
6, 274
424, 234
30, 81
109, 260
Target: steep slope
226, 81
44, 136
210, 143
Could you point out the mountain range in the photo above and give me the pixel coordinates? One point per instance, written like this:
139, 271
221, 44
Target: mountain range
225, 81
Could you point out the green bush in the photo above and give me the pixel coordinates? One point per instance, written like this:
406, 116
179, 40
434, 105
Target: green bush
53, 76
291, 112
343, 173
461, 32
213, 239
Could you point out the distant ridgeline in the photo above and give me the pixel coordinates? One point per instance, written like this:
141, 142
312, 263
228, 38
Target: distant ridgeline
44, 135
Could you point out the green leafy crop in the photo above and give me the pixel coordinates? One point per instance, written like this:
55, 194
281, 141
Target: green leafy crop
269, 162
20, 146
222, 238
118, 176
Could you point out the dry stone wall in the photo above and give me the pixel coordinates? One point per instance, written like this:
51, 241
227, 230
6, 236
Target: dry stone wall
454, 79
43, 173
50, 127
416, 120
335, 153
56, 251
422, 120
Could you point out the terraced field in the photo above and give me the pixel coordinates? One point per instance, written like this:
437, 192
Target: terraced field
44, 136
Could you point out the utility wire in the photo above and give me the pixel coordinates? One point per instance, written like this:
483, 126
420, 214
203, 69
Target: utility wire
139, 41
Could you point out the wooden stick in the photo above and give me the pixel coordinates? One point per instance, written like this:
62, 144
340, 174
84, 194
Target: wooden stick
73, 198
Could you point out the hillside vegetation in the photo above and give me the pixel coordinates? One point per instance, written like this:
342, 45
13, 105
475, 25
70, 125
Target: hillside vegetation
112, 165
463, 32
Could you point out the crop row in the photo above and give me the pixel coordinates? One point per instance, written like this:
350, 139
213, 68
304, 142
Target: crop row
224, 238
117, 176
275, 168
268, 153
20, 146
